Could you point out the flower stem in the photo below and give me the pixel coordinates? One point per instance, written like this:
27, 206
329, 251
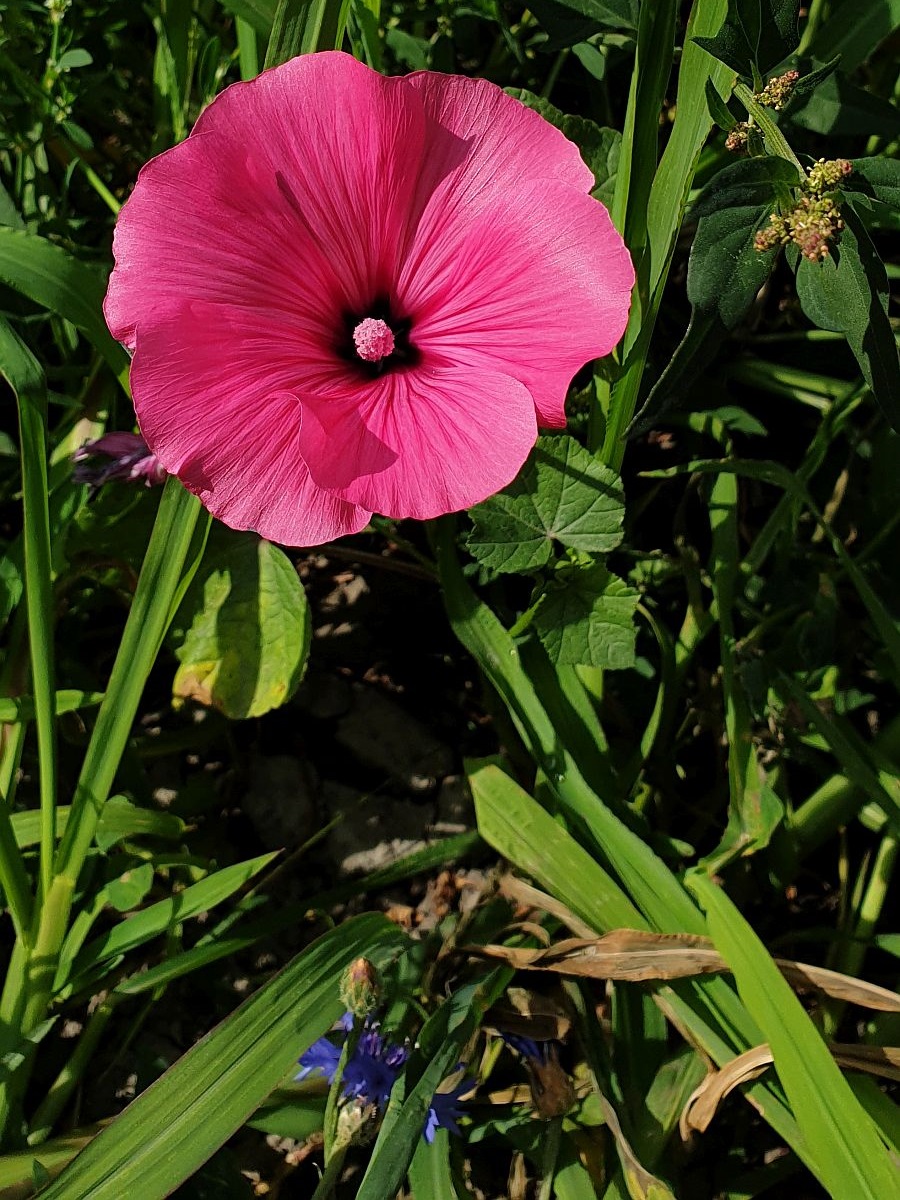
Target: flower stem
776, 142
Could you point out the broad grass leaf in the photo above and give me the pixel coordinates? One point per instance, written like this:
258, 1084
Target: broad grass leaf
518, 828
183, 1118
586, 616
159, 917
119, 819
848, 1155
853, 30
755, 34
439, 1048
598, 145
430, 1177
243, 627
562, 497
848, 292
50, 277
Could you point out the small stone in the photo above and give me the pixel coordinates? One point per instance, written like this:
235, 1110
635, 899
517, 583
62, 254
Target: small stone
280, 800
383, 735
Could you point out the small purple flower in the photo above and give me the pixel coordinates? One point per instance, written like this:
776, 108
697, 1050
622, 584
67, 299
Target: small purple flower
127, 458
446, 1108
371, 1072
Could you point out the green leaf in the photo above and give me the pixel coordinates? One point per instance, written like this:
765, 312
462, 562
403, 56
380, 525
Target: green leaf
518, 828
718, 109
615, 14
849, 1157
243, 627
260, 14
162, 915
756, 34
430, 1177
562, 495
598, 145
749, 182
853, 30
71, 59
838, 108
53, 279
304, 26
725, 271
183, 1118
130, 888
878, 178
441, 1043
586, 616
120, 819
14, 709
848, 292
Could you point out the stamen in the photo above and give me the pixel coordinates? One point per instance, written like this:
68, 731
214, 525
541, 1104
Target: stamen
373, 339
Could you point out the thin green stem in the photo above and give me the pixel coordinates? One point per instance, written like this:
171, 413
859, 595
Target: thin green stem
26, 1001
852, 952
776, 142
151, 611
70, 1076
39, 606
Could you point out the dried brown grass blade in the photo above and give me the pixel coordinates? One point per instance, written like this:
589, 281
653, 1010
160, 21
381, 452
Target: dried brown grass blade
636, 956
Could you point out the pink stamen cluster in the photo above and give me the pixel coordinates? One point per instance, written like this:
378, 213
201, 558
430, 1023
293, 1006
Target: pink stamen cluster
373, 339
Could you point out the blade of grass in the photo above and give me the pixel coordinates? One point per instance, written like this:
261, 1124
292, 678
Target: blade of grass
183, 1118
53, 279
25, 376
303, 26
848, 1155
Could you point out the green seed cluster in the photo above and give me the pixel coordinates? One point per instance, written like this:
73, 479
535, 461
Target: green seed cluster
814, 222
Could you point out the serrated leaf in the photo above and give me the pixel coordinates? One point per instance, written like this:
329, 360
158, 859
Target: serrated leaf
586, 616
725, 272
746, 183
245, 628
598, 145
562, 495
848, 293
755, 34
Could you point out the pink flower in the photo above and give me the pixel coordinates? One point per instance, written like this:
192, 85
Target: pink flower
123, 456
347, 293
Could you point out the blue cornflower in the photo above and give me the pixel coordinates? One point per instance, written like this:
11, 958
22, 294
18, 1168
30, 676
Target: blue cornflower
371, 1072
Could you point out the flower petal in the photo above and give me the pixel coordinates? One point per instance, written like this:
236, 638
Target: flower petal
215, 406
533, 287
289, 196
480, 139
422, 442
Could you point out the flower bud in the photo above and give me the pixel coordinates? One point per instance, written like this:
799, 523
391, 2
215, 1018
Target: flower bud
361, 988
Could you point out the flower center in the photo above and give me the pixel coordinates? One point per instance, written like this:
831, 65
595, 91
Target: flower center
373, 339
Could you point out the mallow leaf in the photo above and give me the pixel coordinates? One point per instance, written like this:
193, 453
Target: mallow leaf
847, 292
562, 497
598, 145
755, 34
242, 632
586, 616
